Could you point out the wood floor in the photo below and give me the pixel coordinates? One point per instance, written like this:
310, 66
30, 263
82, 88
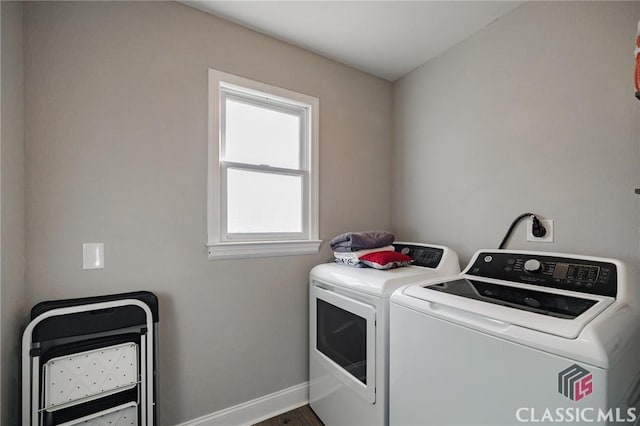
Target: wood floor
302, 416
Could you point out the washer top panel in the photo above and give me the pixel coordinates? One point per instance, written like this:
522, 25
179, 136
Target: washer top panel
580, 274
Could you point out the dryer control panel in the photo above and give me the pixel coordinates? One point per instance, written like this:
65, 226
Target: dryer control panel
585, 276
422, 255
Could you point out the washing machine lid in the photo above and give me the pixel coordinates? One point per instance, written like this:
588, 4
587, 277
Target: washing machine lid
490, 303
375, 282
543, 303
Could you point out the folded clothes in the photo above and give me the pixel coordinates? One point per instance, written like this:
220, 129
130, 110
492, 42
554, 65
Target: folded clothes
380, 258
354, 263
355, 255
354, 241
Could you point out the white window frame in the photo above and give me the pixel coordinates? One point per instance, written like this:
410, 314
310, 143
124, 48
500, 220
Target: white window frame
224, 245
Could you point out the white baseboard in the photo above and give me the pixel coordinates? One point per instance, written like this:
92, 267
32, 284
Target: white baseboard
256, 410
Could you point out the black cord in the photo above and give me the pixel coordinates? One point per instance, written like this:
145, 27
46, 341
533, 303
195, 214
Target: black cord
513, 225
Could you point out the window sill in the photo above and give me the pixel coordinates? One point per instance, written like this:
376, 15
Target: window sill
249, 249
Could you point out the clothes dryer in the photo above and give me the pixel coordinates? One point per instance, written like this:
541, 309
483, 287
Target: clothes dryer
349, 333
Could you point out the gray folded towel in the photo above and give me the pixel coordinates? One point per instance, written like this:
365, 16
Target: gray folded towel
354, 241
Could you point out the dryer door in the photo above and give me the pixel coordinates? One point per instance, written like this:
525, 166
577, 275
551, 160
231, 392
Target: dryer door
343, 338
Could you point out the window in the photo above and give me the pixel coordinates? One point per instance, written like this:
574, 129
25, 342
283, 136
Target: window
263, 167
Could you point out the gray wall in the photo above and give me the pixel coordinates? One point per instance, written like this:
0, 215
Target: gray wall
534, 113
12, 208
116, 135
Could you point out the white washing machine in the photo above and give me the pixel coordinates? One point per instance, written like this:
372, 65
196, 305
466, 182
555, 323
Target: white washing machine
518, 337
349, 333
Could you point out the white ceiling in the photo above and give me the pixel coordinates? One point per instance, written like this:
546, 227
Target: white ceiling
384, 38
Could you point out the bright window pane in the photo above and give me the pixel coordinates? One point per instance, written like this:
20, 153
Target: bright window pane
257, 135
263, 202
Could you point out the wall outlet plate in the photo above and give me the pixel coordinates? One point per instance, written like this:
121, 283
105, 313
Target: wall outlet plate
548, 237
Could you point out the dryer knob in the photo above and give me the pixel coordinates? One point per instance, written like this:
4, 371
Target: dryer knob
533, 266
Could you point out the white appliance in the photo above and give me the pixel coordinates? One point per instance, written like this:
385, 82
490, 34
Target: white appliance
349, 333
518, 337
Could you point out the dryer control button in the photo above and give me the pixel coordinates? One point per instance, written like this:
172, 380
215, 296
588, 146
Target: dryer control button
488, 259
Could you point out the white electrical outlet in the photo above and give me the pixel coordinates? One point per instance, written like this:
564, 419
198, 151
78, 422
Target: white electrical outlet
547, 238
